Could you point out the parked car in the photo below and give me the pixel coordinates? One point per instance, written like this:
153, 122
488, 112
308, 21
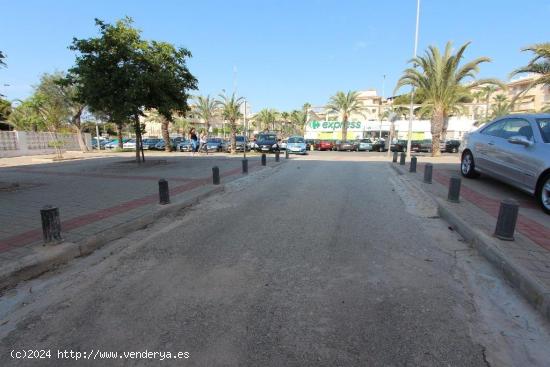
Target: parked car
267, 142
364, 145
514, 149
425, 146
379, 146
326, 145
241, 142
450, 146
113, 144
310, 143
102, 143
214, 144
185, 146
130, 144
175, 142
282, 144
150, 143
345, 145
296, 145
399, 146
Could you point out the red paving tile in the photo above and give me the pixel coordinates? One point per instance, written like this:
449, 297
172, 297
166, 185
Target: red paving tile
35, 235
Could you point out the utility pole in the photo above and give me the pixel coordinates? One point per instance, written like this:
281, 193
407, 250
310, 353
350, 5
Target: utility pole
245, 130
411, 112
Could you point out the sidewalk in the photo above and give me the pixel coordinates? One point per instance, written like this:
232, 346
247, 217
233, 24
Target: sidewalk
98, 198
525, 261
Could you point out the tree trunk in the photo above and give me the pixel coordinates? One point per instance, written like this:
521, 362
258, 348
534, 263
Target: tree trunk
138, 138
119, 135
445, 127
207, 126
345, 128
80, 138
233, 137
166, 135
438, 118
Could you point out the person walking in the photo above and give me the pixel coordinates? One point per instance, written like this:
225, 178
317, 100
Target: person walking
194, 139
203, 141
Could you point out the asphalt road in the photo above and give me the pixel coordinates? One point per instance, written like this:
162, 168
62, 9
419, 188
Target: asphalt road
313, 263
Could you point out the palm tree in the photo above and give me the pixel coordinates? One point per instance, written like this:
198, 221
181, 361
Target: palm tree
440, 79
502, 106
345, 104
298, 120
230, 108
205, 109
488, 91
540, 64
266, 118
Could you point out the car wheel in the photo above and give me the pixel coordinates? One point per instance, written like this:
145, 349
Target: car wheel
467, 166
543, 193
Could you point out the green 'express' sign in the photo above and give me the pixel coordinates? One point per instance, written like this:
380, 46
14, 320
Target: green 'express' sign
334, 125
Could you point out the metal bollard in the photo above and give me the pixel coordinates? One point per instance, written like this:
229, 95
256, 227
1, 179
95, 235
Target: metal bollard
507, 217
51, 225
454, 190
164, 194
412, 167
395, 157
286, 153
215, 175
428, 173
277, 156
263, 159
402, 159
245, 165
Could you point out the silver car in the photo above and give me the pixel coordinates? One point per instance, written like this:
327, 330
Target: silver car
514, 149
296, 145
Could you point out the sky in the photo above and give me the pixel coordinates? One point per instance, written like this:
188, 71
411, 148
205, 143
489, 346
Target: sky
278, 54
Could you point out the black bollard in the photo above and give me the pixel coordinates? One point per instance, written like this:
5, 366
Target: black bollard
402, 159
454, 190
395, 157
428, 173
412, 167
507, 217
263, 159
277, 153
215, 175
164, 194
51, 225
286, 153
245, 165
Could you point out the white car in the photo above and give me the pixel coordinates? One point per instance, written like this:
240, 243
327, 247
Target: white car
130, 144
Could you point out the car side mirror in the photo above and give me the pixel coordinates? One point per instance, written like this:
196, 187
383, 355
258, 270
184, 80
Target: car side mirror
520, 140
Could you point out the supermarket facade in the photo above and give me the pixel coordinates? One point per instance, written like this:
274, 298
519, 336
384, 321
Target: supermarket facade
332, 130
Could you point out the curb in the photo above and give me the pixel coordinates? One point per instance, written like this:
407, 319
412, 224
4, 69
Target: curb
49, 257
529, 287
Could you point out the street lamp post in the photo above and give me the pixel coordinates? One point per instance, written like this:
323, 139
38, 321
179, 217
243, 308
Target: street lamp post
245, 131
411, 112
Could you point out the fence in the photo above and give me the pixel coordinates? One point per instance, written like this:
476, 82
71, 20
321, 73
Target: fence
20, 143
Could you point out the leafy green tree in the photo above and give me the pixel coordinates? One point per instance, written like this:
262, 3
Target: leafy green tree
345, 104
5, 109
121, 75
205, 108
441, 77
230, 108
24, 117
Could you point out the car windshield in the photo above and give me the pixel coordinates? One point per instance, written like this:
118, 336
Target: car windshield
365, 141
544, 126
267, 137
239, 138
295, 140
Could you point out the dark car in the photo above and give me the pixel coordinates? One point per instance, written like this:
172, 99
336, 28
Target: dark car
345, 145
379, 146
451, 146
150, 143
267, 142
214, 144
399, 146
311, 142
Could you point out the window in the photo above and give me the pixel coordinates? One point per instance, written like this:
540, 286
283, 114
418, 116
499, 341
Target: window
495, 129
515, 127
544, 127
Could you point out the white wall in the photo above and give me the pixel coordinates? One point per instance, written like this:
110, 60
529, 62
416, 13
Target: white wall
21, 143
